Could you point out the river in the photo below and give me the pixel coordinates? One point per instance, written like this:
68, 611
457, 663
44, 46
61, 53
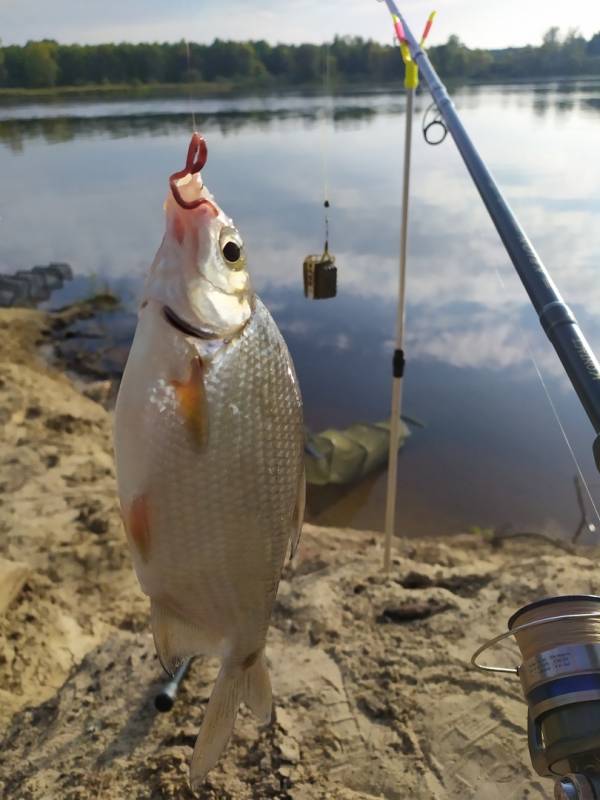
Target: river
85, 183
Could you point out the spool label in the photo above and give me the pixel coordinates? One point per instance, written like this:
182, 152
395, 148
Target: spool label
563, 660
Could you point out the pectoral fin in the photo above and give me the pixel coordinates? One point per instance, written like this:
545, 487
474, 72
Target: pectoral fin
136, 519
193, 405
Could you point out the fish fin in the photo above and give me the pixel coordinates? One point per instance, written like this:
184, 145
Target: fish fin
137, 526
175, 639
217, 725
298, 516
256, 689
193, 403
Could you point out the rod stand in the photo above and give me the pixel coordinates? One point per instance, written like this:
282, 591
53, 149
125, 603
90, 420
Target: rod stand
411, 82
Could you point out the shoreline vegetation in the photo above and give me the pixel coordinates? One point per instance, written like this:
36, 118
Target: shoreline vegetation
204, 89
47, 70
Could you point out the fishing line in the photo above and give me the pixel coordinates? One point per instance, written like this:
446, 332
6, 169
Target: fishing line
564, 433
551, 403
189, 66
326, 117
319, 271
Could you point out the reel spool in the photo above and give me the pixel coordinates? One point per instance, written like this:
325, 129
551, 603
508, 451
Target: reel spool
559, 640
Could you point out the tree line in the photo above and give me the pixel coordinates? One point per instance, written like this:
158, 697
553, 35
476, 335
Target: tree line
348, 59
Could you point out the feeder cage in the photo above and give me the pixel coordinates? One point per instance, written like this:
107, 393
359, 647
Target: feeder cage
320, 276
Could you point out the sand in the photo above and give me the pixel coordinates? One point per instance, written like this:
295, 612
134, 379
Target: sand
374, 693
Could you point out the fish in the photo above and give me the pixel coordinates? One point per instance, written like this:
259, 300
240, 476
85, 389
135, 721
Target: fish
209, 439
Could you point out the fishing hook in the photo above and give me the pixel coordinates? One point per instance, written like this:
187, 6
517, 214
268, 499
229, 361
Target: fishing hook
197, 156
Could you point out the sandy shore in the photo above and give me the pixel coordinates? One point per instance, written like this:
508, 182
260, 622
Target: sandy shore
374, 694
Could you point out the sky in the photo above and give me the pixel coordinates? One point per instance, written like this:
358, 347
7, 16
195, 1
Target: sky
479, 23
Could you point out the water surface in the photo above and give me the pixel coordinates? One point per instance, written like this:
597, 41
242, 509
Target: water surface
85, 183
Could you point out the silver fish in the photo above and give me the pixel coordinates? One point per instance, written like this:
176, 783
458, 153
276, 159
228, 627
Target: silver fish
209, 452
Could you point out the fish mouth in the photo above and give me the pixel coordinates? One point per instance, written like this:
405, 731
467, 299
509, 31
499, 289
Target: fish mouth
186, 327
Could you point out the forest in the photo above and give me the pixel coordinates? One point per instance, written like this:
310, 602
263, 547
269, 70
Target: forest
257, 63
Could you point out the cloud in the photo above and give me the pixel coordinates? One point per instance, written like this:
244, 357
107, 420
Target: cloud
510, 22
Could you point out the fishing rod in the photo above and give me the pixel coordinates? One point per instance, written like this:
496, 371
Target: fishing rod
556, 318
165, 697
560, 673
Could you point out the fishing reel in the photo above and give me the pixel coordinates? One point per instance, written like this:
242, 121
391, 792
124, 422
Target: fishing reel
560, 675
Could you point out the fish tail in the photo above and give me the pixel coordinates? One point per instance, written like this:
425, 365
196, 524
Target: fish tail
249, 683
218, 722
257, 689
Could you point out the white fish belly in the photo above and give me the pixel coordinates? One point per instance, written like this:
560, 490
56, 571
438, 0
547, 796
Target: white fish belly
219, 515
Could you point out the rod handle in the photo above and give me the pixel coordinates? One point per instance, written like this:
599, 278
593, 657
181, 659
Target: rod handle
165, 698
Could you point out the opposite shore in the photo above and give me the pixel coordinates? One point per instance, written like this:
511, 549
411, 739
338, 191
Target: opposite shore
228, 89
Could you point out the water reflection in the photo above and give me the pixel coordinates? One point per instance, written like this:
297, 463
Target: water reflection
90, 193
53, 130
592, 102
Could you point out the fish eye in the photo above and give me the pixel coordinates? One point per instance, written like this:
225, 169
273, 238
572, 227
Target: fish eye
232, 248
232, 252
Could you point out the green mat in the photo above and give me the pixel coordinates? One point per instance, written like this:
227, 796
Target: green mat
342, 457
